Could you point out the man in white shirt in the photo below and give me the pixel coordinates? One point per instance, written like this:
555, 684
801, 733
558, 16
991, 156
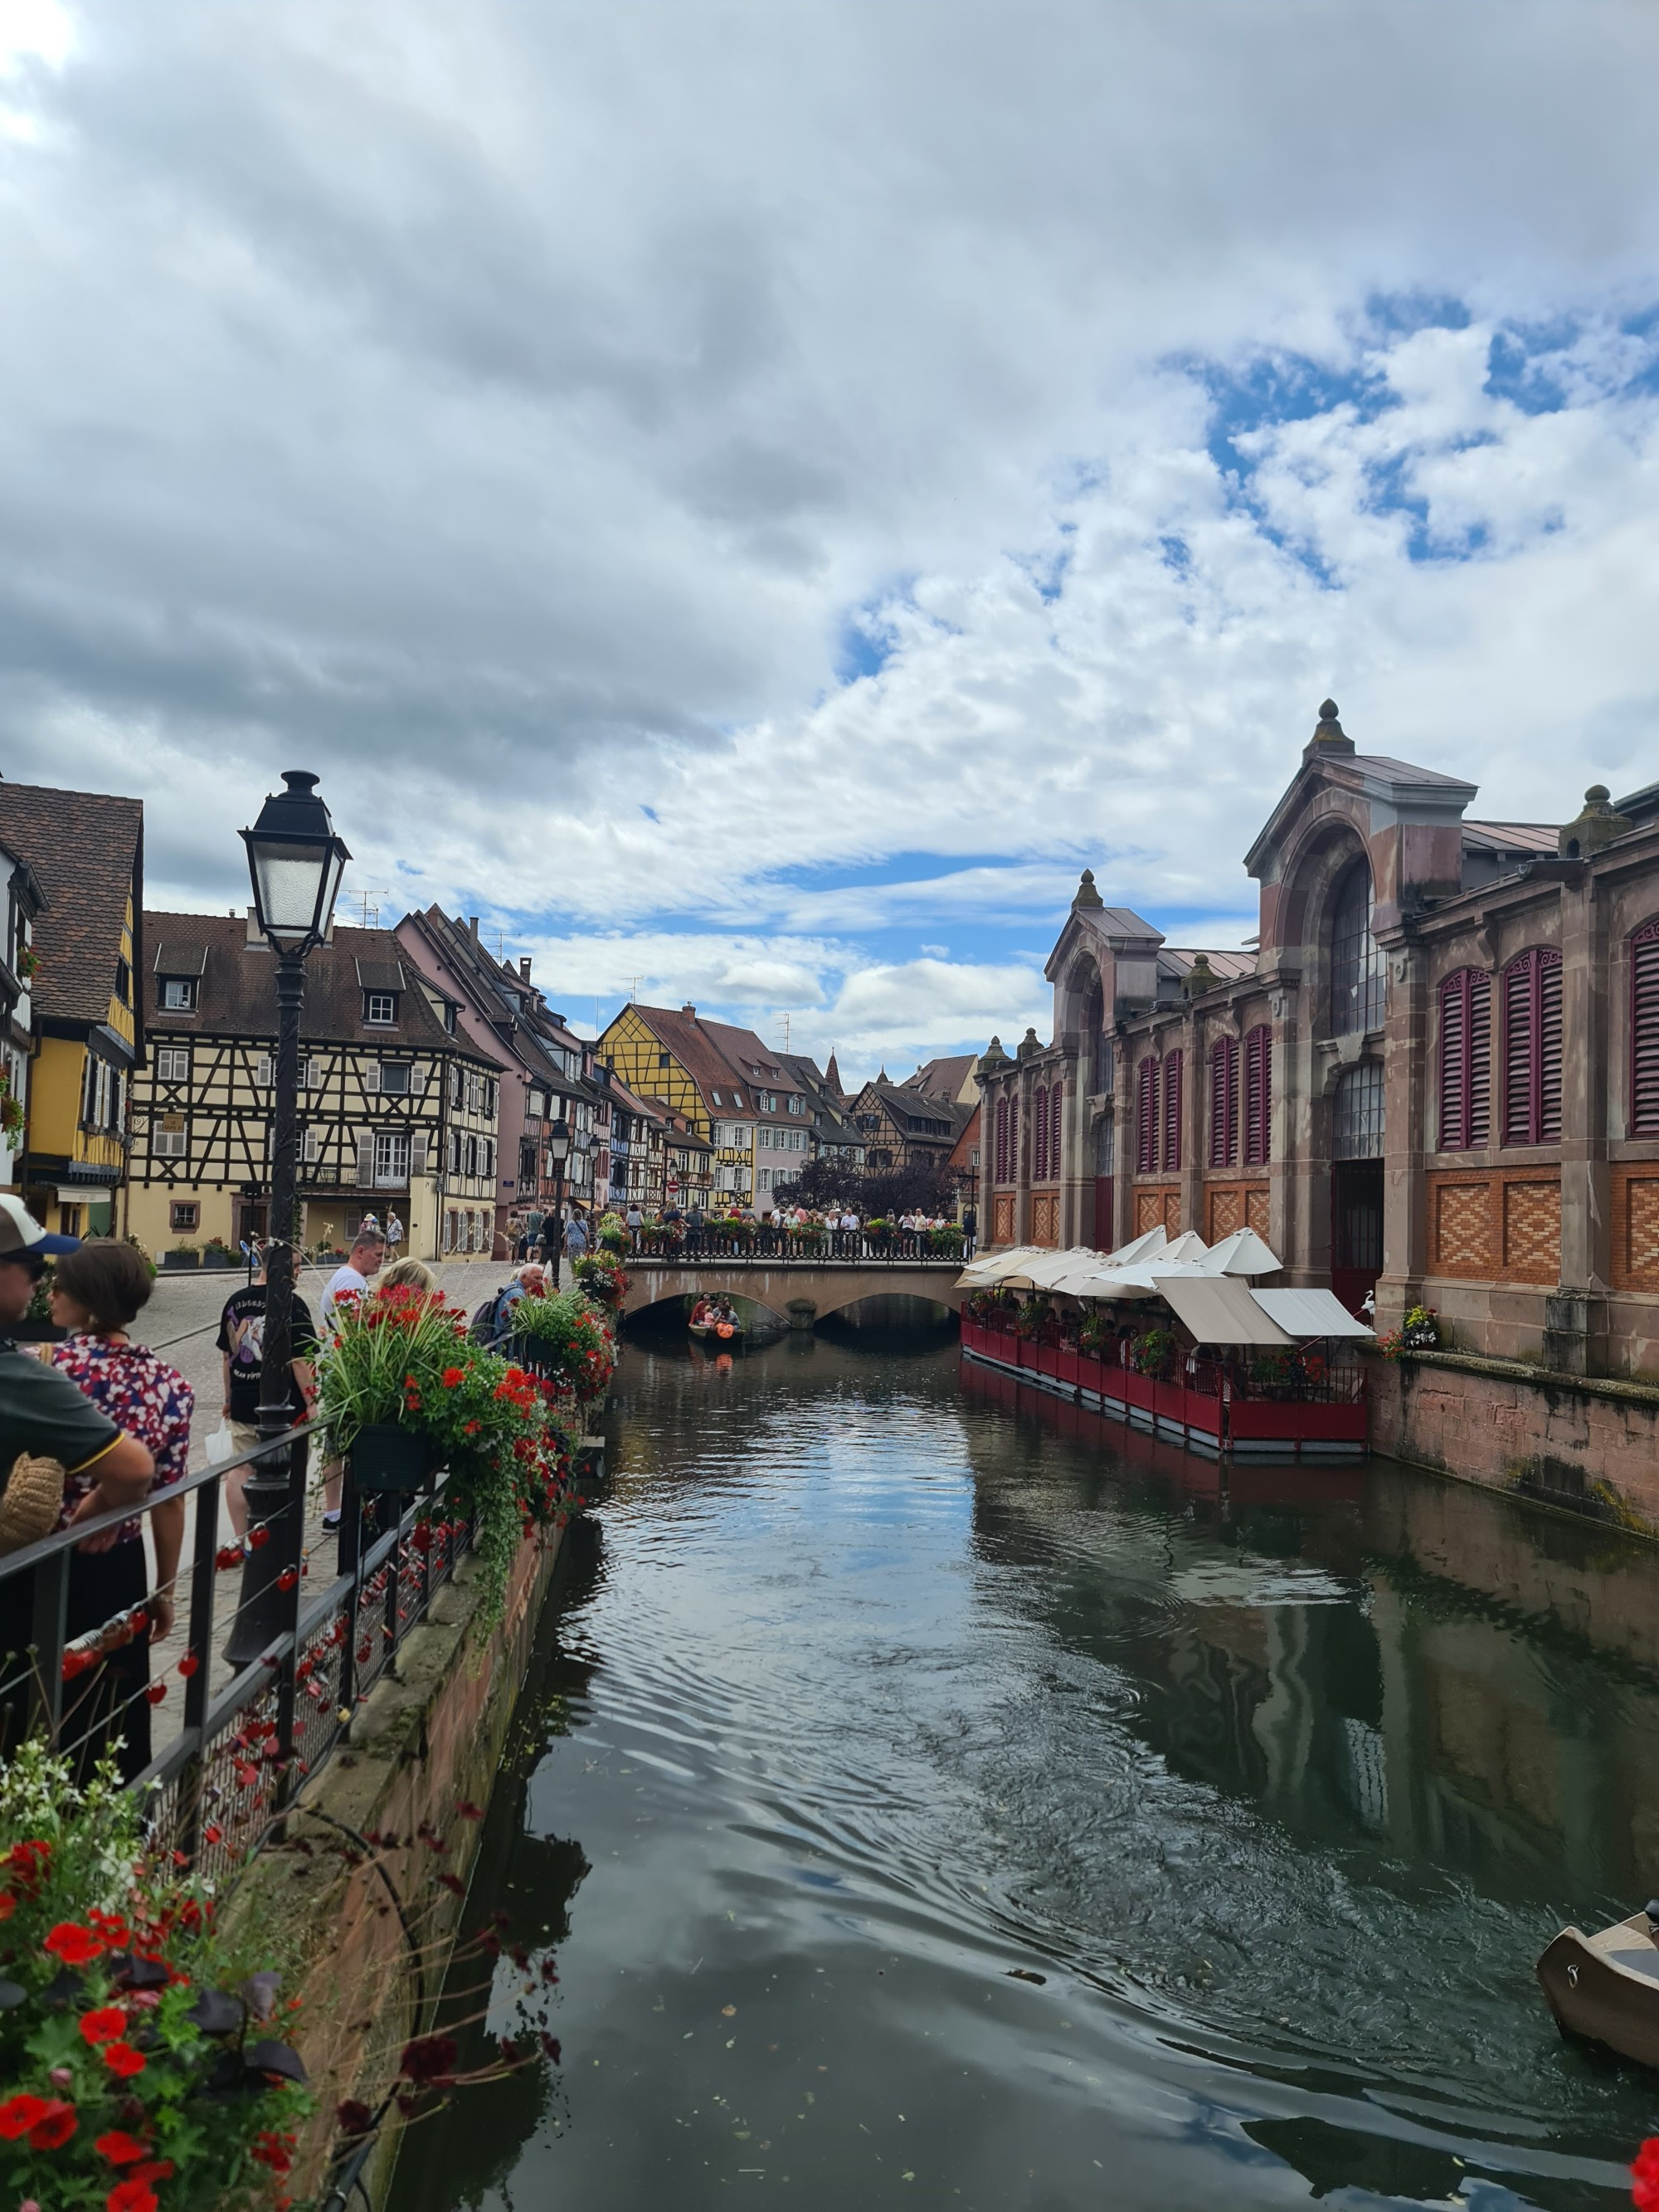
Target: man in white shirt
368, 1251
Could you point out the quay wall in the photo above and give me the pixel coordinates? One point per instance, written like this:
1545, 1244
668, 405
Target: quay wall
424, 1743
1584, 1442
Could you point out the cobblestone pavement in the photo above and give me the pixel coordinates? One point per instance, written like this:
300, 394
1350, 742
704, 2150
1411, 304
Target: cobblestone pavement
182, 1321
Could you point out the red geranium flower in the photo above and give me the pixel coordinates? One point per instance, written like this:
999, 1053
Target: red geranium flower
54, 2127
134, 2196
75, 1945
19, 2114
121, 2058
108, 2025
453, 1375
119, 2147
154, 2169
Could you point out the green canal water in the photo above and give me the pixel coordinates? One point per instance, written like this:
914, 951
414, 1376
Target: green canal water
937, 1797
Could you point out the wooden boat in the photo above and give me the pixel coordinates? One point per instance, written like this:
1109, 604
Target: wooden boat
712, 1330
1605, 1987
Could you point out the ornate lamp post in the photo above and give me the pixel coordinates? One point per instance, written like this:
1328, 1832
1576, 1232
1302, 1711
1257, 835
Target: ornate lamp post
296, 861
558, 1151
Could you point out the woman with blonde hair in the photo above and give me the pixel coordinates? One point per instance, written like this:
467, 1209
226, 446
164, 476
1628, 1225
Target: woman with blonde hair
409, 1275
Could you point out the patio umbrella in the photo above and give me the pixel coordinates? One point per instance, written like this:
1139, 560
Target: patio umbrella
1244, 1252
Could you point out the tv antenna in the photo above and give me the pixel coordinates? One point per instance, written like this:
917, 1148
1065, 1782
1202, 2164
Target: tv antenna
368, 904
786, 1030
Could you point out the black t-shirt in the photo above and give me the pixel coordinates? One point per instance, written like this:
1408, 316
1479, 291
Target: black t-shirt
242, 1334
42, 1411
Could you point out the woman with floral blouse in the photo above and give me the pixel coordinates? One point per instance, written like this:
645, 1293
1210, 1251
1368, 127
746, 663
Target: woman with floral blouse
98, 1290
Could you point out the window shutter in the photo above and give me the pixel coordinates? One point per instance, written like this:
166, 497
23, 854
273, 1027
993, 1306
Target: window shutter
1258, 1097
1040, 1135
1454, 1063
417, 1082
1532, 1047
1054, 1098
265, 1071
1223, 1102
1002, 1140
371, 1075
1644, 1031
1479, 1090
364, 1160
1171, 1113
417, 1153
1549, 1048
1147, 1117
310, 1143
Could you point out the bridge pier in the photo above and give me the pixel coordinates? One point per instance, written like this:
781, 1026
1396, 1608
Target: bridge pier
802, 1313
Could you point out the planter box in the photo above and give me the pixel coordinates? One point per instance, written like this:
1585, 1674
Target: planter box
179, 1262
385, 1457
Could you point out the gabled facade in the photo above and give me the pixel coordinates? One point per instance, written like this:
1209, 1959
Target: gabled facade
900, 1126
834, 1135
400, 1108
86, 853
24, 904
1434, 1080
733, 1089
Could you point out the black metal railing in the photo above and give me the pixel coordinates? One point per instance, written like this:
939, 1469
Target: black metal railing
249, 1742
805, 1247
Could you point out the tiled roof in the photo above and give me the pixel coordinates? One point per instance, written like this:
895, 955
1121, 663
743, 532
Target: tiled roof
1230, 967
942, 1078
87, 849
689, 1040
238, 994
1407, 771
1512, 836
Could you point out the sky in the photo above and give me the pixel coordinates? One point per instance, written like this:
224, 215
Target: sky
751, 499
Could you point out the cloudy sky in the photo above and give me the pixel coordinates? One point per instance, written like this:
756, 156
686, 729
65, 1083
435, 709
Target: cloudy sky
751, 498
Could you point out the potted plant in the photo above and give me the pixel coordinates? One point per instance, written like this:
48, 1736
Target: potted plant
602, 1276
180, 1256
215, 1253
378, 1375
1155, 1354
564, 1338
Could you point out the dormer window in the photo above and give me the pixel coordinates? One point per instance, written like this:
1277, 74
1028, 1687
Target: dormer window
382, 983
178, 994
380, 1010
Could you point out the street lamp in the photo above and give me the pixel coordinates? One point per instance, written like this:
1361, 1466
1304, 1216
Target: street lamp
295, 860
558, 1151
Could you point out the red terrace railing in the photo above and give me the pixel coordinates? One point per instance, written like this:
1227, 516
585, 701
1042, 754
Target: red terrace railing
247, 1742
1211, 1406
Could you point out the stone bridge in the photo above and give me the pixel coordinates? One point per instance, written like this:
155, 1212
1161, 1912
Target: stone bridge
800, 1291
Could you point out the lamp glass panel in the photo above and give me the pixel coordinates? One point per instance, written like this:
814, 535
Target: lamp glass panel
287, 881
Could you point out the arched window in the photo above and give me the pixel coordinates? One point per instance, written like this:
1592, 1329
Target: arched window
1002, 1140
1147, 1117
1258, 1096
1357, 972
1171, 1113
1356, 1124
1040, 1134
1223, 1102
1644, 1031
1532, 1047
1465, 1060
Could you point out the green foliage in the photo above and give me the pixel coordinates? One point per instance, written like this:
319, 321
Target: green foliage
567, 1338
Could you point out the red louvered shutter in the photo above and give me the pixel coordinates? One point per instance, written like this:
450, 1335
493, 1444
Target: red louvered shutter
1477, 1112
1055, 1095
1147, 1117
1519, 1036
1040, 1135
1455, 1062
1014, 1138
1258, 1097
1644, 1031
1223, 1102
1171, 1113
1002, 1140
1549, 1048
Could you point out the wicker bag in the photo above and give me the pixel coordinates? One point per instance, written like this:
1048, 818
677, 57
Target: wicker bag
33, 1501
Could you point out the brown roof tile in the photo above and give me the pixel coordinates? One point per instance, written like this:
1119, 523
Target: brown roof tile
87, 849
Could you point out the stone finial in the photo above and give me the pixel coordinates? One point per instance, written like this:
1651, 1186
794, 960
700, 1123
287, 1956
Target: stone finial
1086, 894
992, 1059
1329, 736
1598, 824
1201, 976
1028, 1045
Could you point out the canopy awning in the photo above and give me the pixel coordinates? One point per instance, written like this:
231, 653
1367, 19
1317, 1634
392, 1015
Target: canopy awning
984, 1273
1244, 1252
1310, 1313
1138, 1247
1220, 1309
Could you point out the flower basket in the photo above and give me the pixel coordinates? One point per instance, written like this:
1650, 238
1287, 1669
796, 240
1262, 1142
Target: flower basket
385, 1457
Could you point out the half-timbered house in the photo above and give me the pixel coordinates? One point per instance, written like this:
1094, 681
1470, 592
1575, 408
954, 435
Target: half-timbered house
86, 851
399, 1108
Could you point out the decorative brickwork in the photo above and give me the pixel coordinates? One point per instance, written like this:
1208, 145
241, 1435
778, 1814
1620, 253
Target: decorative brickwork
1532, 1232
1635, 1227
1002, 1218
1045, 1218
1158, 1204
1462, 1241
1231, 1206
1257, 1209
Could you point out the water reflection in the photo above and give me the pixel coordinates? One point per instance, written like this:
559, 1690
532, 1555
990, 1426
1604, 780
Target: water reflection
876, 1687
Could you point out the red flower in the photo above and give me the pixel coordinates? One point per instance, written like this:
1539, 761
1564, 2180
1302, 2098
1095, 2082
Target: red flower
134, 2196
153, 2169
1645, 2176
429, 2058
122, 2060
119, 2147
19, 2114
75, 1945
453, 1375
54, 2127
108, 2025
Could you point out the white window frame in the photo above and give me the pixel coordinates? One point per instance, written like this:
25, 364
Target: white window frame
178, 994
172, 1063
373, 1001
391, 1159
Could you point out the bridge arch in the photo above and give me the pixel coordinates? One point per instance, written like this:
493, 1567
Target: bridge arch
827, 1287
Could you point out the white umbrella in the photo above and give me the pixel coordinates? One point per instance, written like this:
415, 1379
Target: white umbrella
1138, 1247
1244, 1252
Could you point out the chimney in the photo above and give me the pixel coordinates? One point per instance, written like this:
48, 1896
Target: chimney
523, 967
690, 1011
472, 924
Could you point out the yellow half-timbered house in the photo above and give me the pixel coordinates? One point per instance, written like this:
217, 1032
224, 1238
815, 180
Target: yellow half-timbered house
400, 1113
86, 852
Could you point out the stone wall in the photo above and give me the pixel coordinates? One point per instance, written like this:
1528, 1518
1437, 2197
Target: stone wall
1588, 1444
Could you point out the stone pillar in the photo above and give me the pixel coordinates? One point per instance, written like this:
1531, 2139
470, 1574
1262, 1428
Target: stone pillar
1123, 1140
1575, 1316
1194, 1147
1290, 1148
1408, 1105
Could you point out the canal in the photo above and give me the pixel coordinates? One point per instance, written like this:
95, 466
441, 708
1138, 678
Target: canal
935, 1796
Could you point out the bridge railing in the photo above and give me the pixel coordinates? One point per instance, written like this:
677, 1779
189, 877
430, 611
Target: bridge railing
802, 1247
